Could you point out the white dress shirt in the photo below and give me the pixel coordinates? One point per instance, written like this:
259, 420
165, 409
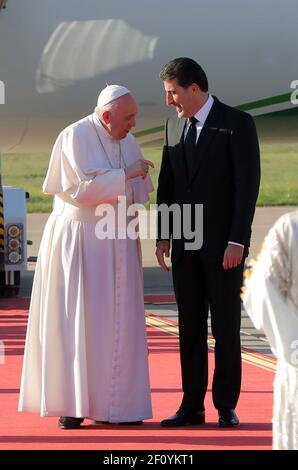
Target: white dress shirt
201, 117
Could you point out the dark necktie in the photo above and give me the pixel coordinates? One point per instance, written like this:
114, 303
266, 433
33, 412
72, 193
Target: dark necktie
190, 143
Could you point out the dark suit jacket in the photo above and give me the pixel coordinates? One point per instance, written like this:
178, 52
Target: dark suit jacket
225, 178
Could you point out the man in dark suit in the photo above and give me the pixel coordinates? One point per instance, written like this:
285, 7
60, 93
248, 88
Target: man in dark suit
210, 157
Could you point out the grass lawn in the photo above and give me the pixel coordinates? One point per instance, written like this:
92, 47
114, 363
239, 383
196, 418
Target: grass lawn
279, 159
279, 183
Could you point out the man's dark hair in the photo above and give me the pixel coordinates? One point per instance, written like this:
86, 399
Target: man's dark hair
186, 71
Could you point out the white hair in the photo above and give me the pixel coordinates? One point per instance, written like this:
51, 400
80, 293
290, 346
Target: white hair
106, 107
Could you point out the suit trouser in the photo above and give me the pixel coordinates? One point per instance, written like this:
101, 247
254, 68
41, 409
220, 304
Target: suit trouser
199, 285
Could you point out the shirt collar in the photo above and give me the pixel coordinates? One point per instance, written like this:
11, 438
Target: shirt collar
203, 112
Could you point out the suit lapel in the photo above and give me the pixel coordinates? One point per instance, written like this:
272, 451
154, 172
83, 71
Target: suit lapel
208, 132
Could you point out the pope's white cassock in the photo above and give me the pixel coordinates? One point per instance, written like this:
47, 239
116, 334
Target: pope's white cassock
271, 300
86, 348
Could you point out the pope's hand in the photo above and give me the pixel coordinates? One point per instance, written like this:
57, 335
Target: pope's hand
162, 249
138, 168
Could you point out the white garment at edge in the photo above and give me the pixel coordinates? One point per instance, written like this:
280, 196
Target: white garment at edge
86, 349
271, 300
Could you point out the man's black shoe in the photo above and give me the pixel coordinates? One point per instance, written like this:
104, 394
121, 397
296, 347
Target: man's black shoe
227, 418
184, 418
67, 422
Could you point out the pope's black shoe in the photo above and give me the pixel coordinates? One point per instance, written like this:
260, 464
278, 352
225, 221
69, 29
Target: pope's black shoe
184, 418
227, 418
67, 422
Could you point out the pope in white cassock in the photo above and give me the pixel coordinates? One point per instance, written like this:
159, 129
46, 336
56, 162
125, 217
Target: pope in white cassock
86, 348
271, 300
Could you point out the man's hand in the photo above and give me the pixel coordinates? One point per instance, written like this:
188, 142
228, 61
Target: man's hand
138, 168
163, 248
232, 256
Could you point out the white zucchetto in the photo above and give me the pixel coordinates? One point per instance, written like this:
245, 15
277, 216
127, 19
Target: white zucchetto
111, 93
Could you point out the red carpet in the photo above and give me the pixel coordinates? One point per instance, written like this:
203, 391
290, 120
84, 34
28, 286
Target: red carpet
160, 299
29, 431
